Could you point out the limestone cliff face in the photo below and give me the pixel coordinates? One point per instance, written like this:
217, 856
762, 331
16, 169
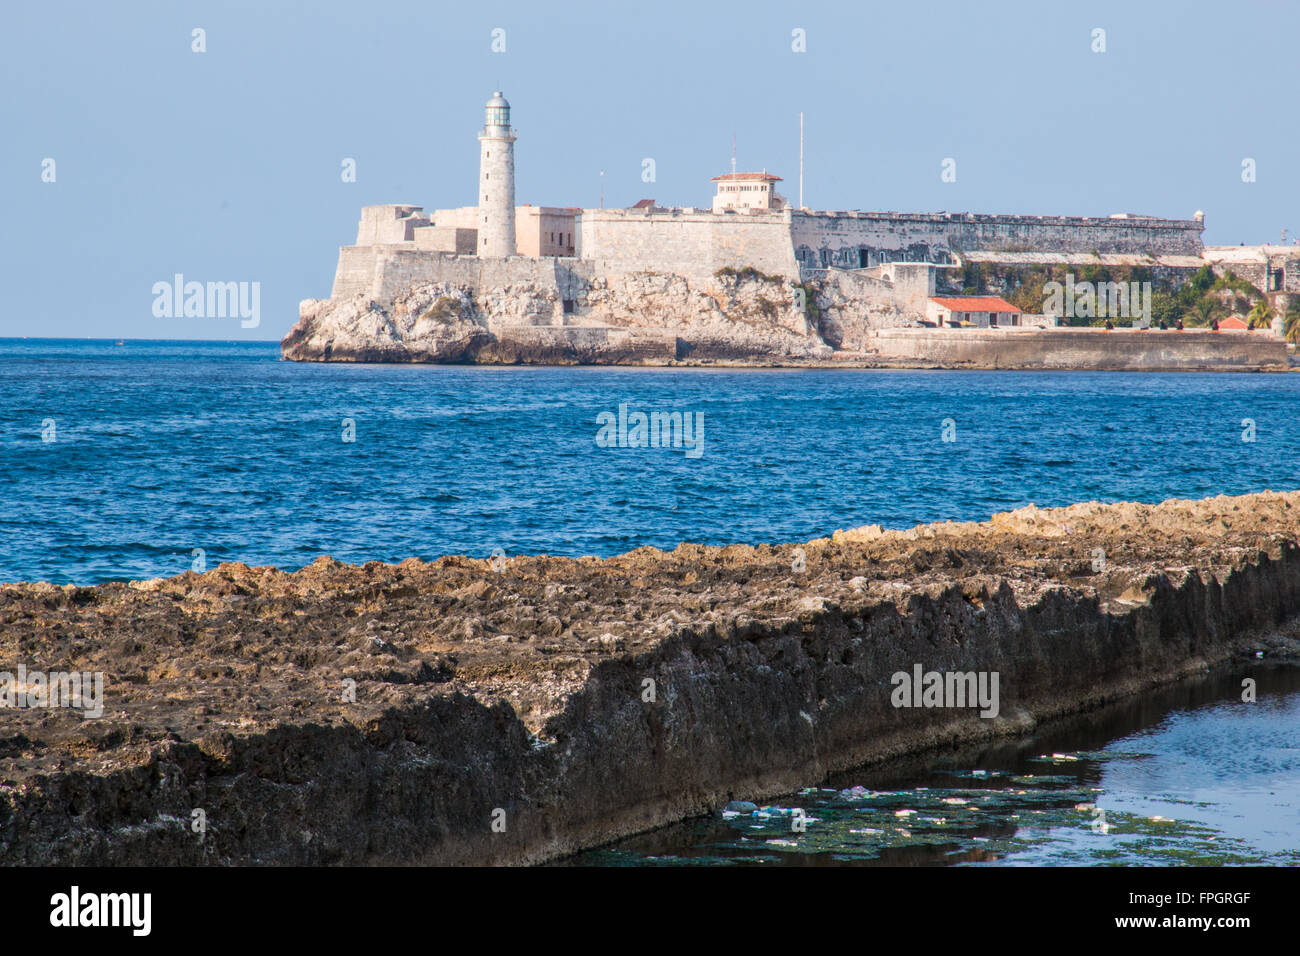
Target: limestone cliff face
734, 318
431, 323
638, 318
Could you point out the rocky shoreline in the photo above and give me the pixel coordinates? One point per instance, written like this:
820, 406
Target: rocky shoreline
516, 710
734, 320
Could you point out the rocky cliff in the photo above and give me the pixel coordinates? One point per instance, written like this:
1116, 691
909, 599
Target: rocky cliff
638, 318
509, 711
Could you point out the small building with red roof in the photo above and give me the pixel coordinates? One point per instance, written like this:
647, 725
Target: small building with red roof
982, 311
1233, 323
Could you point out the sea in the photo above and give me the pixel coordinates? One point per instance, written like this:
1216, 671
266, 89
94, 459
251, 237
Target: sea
143, 459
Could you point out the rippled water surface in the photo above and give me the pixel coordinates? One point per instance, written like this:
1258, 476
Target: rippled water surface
1189, 775
162, 448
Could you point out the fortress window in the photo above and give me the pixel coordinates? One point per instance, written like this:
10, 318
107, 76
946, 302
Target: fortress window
568, 306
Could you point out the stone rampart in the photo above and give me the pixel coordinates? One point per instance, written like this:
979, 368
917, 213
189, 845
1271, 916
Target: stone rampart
383, 272
694, 244
856, 240
1095, 349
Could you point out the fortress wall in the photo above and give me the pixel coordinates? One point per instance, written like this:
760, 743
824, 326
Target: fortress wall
858, 240
912, 285
1256, 273
1268, 268
694, 245
389, 222
355, 272
383, 272
763, 243
1120, 350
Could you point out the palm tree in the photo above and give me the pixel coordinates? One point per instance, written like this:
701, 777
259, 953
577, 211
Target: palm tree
1293, 325
1261, 316
1203, 312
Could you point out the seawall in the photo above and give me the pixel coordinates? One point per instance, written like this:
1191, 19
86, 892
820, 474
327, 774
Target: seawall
1149, 350
408, 713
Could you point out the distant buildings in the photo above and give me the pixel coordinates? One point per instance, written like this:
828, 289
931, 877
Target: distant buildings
984, 311
890, 261
742, 191
1273, 269
750, 224
545, 230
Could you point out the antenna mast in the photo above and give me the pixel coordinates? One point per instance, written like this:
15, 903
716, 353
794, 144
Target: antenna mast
733, 155
801, 159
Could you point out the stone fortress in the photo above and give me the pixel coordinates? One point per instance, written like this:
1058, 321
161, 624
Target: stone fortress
747, 279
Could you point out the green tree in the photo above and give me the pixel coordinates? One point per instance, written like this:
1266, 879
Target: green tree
1261, 316
1165, 308
1202, 280
1292, 324
1203, 312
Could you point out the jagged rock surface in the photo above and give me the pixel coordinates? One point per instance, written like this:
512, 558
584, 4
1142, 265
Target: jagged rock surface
522, 686
664, 318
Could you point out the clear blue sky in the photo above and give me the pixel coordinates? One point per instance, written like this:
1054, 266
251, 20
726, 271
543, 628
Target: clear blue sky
225, 165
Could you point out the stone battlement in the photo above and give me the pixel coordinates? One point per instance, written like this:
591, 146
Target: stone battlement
1005, 219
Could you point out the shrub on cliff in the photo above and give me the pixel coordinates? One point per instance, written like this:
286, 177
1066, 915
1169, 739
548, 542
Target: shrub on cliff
811, 308
445, 309
748, 272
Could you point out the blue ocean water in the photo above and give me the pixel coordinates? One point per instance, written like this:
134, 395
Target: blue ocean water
161, 448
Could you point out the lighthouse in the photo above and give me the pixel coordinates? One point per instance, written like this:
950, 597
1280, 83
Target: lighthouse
496, 181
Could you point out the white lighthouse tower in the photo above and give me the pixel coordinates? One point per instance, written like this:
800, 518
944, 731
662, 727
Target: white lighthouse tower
496, 181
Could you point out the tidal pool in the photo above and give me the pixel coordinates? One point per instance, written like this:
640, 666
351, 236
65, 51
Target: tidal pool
1186, 775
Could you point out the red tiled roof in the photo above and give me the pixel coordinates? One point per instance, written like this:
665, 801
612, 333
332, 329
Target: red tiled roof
765, 177
974, 303
643, 204
1232, 322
